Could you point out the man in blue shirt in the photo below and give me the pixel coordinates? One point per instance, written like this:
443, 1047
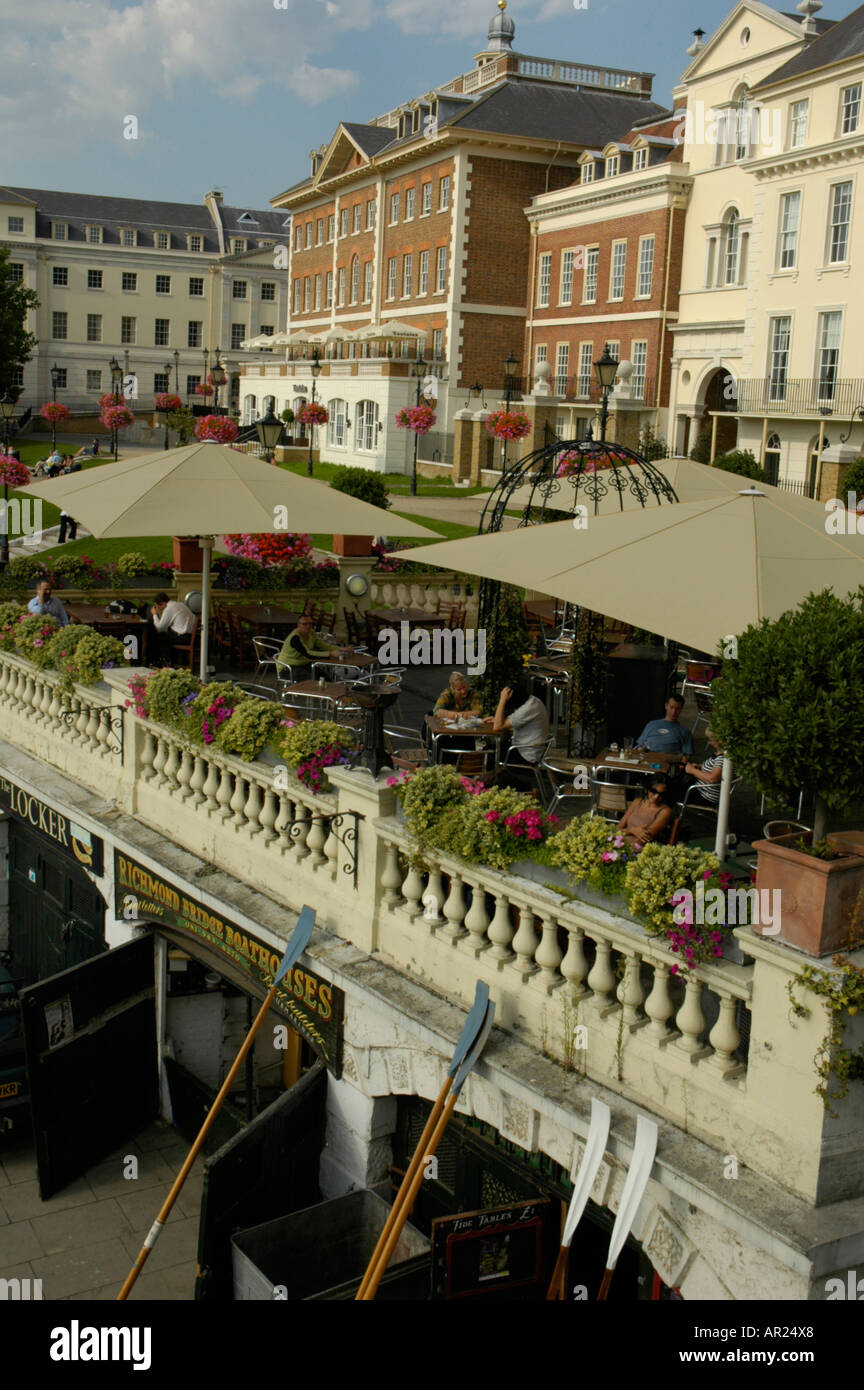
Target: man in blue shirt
667, 735
43, 603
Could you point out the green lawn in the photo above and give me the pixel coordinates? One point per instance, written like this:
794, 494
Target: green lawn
398, 484
31, 454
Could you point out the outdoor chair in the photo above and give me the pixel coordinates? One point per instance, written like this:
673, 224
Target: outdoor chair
452, 609
694, 802
286, 674
188, 649
258, 692
311, 706
705, 707
241, 638
609, 793
697, 677
404, 748
510, 765
355, 626
479, 764
777, 828
561, 772
266, 650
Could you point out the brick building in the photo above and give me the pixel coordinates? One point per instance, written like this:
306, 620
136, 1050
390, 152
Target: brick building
606, 266
417, 219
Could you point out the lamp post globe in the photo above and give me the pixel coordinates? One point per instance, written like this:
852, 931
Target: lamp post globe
606, 368
269, 431
315, 368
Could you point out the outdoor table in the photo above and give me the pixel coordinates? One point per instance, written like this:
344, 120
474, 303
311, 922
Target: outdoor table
641, 764
443, 728
267, 618
116, 625
334, 691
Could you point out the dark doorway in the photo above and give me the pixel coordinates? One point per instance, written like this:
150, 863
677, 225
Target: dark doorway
721, 395
56, 913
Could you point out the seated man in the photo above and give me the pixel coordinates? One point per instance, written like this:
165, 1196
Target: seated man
710, 773
303, 646
457, 699
528, 723
647, 817
173, 621
45, 603
667, 735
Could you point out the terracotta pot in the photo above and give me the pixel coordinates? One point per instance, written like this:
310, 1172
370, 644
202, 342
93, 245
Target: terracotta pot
817, 896
353, 545
187, 554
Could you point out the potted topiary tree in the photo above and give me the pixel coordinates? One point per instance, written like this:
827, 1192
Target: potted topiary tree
790, 711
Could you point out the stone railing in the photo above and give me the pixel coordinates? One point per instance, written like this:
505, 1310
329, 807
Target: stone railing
719, 1054
421, 591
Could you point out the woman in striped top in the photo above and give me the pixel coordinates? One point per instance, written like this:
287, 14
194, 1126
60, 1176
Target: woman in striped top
710, 773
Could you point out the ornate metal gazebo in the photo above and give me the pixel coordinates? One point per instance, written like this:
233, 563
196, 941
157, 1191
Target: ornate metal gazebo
564, 479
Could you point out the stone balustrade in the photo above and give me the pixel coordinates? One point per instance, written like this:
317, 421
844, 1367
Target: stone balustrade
720, 1053
421, 591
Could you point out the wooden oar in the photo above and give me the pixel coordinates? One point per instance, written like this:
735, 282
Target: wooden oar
296, 946
470, 1029
595, 1147
634, 1190
375, 1272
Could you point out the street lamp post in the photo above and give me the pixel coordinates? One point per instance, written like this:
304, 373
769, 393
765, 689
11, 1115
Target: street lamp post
219, 376
606, 368
167, 373
510, 365
117, 383
269, 431
315, 368
7, 406
176, 372
55, 378
419, 371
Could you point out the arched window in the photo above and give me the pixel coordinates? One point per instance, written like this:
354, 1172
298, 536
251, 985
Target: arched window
771, 461
812, 479
299, 428
743, 130
731, 249
355, 279
336, 426
250, 409
366, 427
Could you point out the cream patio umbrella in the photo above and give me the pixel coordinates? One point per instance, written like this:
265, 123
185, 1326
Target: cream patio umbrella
695, 572
206, 489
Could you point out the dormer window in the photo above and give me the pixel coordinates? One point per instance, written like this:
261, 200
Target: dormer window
588, 172
128, 236
640, 158
59, 231
93, 235
238, 245
612, 165
162, 241
247, 217
194, 243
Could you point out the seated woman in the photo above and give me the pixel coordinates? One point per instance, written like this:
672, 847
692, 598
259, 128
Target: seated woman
457, 699
648, 816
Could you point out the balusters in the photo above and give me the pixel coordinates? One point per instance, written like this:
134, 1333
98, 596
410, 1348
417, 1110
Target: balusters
267, 816
500, 931
300, 830
196, 782
525, 943
601, 980
412, 892
331, 849
103, 733
454, 909
548, 955
391, 878
45, 702
184, 774
658, 1005
225, 793
630, 993
433, 900
724, 1036
148, 754
690, 1018
238, 801
477, 920
252, 808
172, 765
283, 820
316, 840
160, 758
211, 786
574, 966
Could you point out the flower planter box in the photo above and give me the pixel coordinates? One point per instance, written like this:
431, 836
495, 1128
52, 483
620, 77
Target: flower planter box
187, 554
817, 896
353, 545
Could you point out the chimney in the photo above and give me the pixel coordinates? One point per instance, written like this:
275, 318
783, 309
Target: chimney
697, 45
216, 194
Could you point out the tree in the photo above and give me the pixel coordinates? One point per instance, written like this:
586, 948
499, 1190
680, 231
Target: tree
790, 709
16, 344
853, 480
741, 461
701, 451
363, 483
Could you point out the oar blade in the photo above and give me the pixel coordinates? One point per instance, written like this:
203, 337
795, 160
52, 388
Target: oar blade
634, 1186
474, 1051
471, 1026
298, 943
595, 1147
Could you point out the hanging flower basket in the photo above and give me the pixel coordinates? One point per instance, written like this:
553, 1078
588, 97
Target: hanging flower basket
109, 399
12, 472
313, 414
116, 417
167, 401
217, 427
508, 424
203, 389
55, 411
419, 418
573, 463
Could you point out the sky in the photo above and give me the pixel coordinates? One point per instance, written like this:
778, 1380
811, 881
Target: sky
233, 94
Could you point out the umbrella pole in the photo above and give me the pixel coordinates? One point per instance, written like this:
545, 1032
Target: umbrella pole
720, 847
206, 544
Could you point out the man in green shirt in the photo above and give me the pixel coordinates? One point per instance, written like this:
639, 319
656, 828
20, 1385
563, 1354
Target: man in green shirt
303, 646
